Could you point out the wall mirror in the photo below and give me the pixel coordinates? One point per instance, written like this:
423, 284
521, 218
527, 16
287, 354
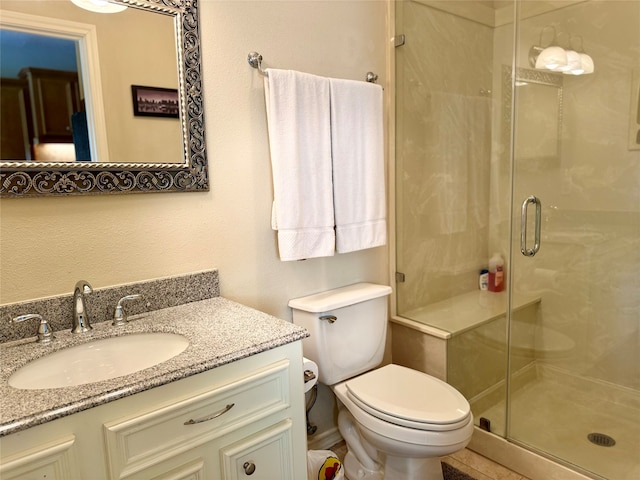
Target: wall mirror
129, 119
538, 116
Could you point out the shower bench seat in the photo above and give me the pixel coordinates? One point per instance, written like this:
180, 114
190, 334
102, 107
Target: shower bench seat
456, 315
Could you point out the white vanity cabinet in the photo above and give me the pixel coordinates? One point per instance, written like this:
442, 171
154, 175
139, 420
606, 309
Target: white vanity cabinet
243, 420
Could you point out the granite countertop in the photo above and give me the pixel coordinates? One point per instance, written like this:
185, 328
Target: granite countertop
219, 331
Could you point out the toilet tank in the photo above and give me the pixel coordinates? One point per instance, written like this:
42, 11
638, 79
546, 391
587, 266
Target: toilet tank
354, 342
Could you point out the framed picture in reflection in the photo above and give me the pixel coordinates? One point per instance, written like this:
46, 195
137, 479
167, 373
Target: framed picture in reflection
155, 101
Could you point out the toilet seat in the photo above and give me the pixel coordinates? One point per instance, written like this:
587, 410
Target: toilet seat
402, 433
409, 398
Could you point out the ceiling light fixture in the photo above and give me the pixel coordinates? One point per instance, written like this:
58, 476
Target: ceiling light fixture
555, 58
99, 6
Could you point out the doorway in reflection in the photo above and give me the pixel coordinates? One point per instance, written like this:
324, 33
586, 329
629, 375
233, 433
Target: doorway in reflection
43, 113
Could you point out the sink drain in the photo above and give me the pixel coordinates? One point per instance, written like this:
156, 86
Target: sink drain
601, 439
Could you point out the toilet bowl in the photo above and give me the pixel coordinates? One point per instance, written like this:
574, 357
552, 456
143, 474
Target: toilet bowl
396, 422
408, 418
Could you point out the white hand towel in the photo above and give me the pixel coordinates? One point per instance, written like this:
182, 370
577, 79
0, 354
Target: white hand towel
358, 165
300, 143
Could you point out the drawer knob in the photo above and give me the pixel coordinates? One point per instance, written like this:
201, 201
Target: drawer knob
249, 468
210, 417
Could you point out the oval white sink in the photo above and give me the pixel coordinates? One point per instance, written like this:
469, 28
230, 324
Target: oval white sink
98, 360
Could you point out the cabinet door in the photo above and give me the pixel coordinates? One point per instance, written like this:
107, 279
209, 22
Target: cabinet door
52, 461
15, 120
55, 97
266, 455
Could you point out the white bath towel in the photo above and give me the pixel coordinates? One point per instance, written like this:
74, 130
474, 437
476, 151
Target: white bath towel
300, 143
357, 148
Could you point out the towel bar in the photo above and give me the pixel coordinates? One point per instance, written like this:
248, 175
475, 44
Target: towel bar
255, 60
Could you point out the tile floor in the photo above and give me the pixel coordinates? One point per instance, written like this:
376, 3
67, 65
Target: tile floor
479, 467
466, 461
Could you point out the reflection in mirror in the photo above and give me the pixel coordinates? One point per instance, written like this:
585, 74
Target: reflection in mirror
112, 123
538, 115
50, 67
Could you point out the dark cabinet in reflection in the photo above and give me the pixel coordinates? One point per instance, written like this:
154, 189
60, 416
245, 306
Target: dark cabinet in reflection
15, 143
54, 96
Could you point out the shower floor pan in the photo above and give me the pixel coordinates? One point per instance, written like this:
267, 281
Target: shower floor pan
555, 413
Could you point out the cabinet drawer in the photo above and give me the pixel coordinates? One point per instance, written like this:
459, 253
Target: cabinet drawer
137, 442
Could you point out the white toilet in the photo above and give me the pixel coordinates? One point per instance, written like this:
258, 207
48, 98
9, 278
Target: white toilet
396, 422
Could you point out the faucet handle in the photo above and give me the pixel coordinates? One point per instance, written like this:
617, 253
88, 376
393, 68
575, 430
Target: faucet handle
120, 316
45, 334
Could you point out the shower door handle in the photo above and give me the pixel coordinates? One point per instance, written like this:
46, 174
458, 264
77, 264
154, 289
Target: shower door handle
530, 252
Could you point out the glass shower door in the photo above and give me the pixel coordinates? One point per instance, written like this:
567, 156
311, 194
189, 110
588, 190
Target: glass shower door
451, 216
574, 367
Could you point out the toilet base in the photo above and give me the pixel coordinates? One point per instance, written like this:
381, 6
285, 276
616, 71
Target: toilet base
414, 468
395, 468
372, 456
354, 470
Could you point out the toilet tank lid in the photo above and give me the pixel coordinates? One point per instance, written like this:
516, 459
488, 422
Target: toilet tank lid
339, 297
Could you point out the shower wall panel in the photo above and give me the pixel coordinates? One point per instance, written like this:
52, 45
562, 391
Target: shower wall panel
443, 154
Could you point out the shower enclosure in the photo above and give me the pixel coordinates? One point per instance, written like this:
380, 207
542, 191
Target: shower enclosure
496, 153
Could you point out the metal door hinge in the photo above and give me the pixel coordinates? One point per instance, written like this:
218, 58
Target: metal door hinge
399, 277
399, 40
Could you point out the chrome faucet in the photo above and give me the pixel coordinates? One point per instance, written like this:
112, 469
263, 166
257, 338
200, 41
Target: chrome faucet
80, 315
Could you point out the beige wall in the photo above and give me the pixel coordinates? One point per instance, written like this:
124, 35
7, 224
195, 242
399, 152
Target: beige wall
47, 244
141, 53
